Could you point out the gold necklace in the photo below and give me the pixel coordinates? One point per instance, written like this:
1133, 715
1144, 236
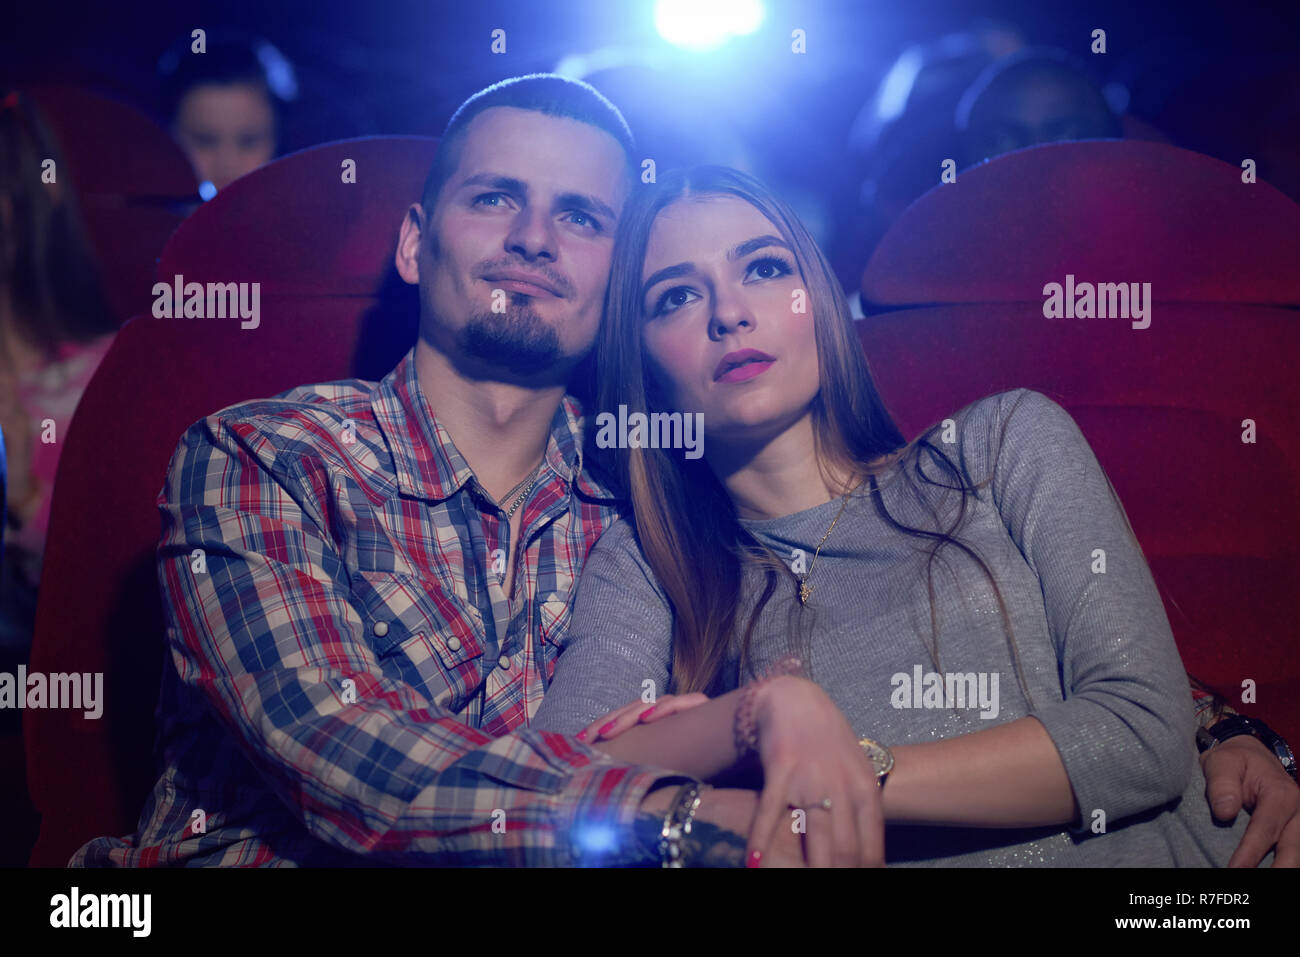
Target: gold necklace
806, 590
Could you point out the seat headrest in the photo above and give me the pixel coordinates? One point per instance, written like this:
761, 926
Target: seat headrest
320, 222
1103, 211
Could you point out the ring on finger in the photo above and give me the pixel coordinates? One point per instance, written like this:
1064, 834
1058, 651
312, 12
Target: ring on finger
824, 804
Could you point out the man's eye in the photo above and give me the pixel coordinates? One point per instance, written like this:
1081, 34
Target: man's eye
586, 220
490, 199
672, 300
769, 267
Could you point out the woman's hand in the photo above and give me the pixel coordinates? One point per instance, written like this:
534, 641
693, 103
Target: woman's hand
638, 712
809, 755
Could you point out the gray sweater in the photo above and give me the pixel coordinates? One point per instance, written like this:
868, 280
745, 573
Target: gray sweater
1095, 648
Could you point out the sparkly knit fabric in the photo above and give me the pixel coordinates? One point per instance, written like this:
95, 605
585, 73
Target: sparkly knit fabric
1089, 641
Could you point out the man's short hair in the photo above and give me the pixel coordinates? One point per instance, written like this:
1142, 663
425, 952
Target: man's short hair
546, 93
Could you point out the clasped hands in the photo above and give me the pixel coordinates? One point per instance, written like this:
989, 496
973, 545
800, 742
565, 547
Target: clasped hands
819, 806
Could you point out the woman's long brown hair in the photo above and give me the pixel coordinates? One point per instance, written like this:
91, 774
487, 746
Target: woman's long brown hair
45, 255
684, 519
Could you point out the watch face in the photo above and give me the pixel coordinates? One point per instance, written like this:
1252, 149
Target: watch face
881, 757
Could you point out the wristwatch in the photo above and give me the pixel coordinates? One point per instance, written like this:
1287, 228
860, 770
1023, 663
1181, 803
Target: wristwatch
1237, 724
882, 759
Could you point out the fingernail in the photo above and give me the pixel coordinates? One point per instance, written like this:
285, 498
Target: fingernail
608, 726
582, 735
647, 712
755, 859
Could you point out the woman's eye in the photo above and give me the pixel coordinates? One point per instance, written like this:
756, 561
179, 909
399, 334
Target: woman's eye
769, 267
672, 300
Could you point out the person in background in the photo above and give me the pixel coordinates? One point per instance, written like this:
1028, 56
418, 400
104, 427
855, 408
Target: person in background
55, 327
1036, 95
224, 105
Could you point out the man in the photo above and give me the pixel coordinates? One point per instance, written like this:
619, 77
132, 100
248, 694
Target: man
389, 566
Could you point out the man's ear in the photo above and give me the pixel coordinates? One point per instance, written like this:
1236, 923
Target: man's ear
409, 237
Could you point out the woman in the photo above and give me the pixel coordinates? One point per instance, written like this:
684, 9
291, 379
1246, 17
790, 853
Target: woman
55, 328
973, 600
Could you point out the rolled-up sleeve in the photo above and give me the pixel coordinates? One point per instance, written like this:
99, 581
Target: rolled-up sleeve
259, 621
1124, 730
618, 647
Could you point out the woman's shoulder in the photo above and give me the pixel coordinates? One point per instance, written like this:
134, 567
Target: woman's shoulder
983, 438
618, 556
1005, 420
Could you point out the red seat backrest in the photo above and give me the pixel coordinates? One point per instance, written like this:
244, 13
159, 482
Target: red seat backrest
99, 606
132, 182
954, 296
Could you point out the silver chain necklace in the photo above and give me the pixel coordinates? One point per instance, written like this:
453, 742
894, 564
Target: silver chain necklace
527, 486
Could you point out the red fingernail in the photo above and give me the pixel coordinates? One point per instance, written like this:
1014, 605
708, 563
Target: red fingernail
607, 727
582, 735
647, 712
755, 859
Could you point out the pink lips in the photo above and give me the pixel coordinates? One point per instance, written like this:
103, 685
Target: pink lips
741, 365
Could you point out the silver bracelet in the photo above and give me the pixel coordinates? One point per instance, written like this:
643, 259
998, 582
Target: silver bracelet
677, 824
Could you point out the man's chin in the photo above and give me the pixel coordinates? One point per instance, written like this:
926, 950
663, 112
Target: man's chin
518, 342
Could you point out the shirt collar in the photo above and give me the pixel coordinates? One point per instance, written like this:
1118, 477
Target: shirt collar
428, 464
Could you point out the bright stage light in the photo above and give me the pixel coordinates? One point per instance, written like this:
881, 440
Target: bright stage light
706, 24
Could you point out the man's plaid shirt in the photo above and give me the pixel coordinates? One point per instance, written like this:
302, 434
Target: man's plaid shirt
347, 684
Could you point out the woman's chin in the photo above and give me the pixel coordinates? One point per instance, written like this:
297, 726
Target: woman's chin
749, 426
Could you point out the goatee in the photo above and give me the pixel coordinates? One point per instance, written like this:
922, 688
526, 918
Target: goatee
518, 339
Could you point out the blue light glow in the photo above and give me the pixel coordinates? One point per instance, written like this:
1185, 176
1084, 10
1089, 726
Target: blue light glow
706, 24
596, 839
207, 190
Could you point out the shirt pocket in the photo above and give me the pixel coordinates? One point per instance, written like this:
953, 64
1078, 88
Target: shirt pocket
554, 612
422, 635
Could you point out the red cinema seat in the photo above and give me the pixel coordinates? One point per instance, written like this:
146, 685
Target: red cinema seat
133, 183
954, 297
332, 307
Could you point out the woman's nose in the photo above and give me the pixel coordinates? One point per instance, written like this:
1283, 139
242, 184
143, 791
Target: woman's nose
730, 314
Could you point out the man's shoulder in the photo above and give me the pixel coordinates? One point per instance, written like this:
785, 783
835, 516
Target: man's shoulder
307, 421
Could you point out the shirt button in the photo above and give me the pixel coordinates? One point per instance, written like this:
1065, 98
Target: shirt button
381, 628
453, 643
504, 662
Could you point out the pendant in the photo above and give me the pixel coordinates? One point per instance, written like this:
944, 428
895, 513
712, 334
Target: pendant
805, 590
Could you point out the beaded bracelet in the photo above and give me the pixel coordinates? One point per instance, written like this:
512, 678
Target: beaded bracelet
746, 729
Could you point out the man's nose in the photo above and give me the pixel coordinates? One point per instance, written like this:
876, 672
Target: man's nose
531, 236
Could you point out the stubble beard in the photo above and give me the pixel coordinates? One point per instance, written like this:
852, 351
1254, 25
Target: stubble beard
518, 339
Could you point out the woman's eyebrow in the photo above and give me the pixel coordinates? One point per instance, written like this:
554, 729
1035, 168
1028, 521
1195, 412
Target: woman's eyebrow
668, 272
736, 252
758, 242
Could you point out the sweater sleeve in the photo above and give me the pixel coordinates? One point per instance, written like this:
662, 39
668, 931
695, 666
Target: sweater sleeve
618, 646
1124, 730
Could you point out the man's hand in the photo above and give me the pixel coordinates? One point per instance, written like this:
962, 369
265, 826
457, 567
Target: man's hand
1242, 772
720, 833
